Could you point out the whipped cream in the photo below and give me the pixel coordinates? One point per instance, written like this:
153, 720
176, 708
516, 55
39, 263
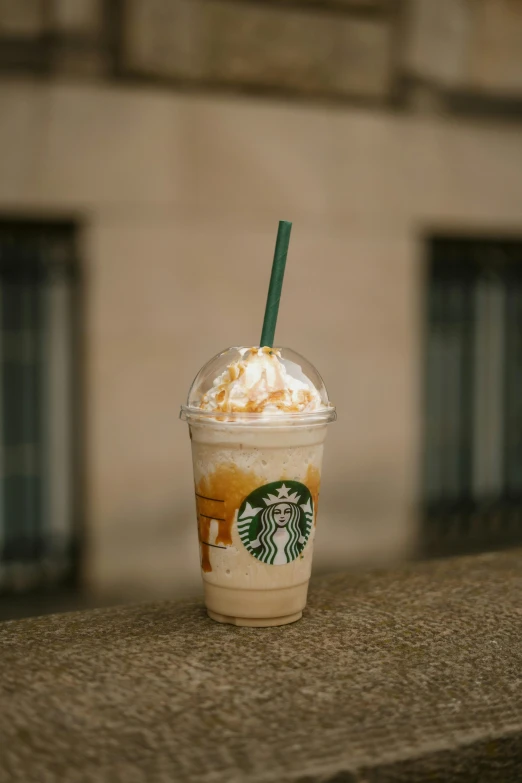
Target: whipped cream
260, 383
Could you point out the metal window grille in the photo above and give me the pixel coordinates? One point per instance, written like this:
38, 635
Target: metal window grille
472, 483
39, 287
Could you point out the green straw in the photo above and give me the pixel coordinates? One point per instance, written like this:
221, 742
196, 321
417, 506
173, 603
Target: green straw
276, 284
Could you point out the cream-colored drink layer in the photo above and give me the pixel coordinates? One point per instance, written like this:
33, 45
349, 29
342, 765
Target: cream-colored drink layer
256, 495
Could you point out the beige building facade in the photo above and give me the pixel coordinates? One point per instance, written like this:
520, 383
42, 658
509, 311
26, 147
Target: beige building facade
178, 198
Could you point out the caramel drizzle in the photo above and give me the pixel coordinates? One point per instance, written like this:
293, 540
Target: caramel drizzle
275, 399
204, 521
220, 494
313, 481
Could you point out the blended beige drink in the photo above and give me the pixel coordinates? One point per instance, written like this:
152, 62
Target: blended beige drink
258, 419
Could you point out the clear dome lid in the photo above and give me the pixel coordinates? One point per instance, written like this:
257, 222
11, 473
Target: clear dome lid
297, 367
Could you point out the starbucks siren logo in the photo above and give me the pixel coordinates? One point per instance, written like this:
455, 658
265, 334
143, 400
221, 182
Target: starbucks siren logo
274, 521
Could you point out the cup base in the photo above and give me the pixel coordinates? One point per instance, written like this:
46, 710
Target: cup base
256, 608
255, 622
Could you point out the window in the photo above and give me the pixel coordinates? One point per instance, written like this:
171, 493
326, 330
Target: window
472, 481
39, 531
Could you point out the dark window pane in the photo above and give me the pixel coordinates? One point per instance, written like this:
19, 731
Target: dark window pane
37, 286
472, 483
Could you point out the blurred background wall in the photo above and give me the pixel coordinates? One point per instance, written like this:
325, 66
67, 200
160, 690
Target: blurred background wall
172, 135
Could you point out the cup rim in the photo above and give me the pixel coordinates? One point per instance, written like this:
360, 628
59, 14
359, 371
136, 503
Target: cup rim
215, 418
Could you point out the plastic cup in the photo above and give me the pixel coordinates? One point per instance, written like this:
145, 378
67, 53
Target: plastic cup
257, 479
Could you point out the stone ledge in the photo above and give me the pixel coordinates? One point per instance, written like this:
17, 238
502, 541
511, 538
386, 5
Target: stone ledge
404, 675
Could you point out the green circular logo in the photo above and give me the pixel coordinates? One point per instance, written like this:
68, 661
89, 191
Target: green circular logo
274, 521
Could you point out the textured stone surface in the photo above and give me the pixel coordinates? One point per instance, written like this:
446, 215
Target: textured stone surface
160, 38
77, 16
79, 61
363, 61
371, 5
434, 55
496, 57
263, 46
307, 52
258, 45
21, 18
406, 675
437, 40
465, 45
